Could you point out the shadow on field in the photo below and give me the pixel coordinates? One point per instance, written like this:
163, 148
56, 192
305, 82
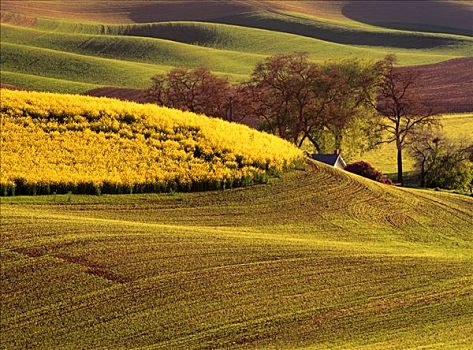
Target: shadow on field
334, 33
430, 16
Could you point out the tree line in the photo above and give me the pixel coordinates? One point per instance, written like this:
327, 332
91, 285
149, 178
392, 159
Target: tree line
350, 104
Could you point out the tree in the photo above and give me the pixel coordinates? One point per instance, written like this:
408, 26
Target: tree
425, 148
196, 90
283, 97
355, 85
442, 162
450, 171
239, 103
300, 100
401, 112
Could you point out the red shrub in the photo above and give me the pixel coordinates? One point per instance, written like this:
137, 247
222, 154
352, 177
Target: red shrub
367, 170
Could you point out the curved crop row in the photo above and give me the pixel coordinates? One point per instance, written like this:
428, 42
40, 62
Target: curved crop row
53, 143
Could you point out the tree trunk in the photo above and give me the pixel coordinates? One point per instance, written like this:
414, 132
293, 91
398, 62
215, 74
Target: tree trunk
315, 143
422, 175
299, 144
338, 139
230, 110
399, 165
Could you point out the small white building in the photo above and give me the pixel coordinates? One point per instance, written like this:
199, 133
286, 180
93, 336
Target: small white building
335, 160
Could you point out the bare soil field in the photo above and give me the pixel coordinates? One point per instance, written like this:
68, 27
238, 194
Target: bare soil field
135, 95
446, 86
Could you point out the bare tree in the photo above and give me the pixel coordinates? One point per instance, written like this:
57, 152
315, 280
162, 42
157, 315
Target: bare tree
401, 112
196, 90
283, 94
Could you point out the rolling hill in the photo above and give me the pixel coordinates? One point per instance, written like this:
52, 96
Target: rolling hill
446, 16
316, 260
122, 44
308, 257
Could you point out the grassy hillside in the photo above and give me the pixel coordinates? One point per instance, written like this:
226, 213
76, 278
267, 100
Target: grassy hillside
312, 258
441, 16
316, 260
55, 143
127, 55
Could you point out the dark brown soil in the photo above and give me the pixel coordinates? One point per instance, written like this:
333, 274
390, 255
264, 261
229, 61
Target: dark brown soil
10, 87
446, 86
135, 95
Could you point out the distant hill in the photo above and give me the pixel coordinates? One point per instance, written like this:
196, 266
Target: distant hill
77, 46
446, 16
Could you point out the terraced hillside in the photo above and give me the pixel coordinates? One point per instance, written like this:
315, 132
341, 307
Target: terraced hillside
317, 259
59, 53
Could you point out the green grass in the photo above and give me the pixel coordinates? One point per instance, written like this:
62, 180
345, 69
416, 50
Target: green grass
128, 55
344, 31
42, 83
453, 126
311, 260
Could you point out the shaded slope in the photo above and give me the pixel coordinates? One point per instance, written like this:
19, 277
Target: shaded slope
334, 31
342, 33
445, 16
134, 49
318, 260
455, 17
114, 56
128, 11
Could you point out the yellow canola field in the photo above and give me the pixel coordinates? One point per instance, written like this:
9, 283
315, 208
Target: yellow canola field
55, 143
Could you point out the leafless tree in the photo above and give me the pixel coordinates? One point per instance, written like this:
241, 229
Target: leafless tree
401, 112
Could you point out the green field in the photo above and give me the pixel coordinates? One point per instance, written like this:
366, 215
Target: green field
313, 260
127, 55
456, 127
310, 258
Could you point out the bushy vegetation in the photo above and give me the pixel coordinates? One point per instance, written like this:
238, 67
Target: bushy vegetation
60, 143
442, 162
449, 172
367, 170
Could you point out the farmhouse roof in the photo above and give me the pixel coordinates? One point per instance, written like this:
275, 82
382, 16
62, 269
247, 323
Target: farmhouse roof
330, 159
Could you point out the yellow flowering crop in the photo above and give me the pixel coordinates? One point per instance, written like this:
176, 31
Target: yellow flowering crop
60, 143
